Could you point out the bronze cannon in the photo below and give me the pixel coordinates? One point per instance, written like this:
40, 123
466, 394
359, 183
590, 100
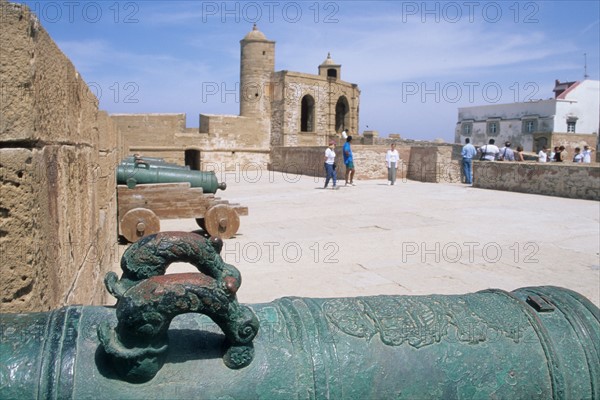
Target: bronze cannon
150, 189
185, 336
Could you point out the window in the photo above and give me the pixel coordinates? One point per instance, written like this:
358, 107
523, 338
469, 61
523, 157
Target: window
529, 125
467, 128
571, 126
493, 128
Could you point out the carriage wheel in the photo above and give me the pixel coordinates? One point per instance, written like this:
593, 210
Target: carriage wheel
139, 222
221, 221
201, 223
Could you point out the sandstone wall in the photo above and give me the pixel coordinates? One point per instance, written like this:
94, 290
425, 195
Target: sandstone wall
288, 90
224, 142
434, 164
578, 181
57, 193
572, 140
426, 164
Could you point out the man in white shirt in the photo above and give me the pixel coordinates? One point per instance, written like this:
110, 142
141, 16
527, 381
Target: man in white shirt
587, 154
489, 152
392, 159
543, 154
330, 165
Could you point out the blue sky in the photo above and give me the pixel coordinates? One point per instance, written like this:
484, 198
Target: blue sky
415, 62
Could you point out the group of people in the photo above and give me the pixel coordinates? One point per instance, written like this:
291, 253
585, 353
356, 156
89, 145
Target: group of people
488, 152
392, 160
491, 152
330, 171
559, 154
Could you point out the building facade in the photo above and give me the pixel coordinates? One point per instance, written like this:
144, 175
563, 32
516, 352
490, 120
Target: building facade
570, 119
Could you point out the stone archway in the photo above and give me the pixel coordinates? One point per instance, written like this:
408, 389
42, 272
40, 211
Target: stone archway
342, 114
307, 114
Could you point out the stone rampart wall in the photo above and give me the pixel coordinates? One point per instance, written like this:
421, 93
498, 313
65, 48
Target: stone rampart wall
224, 142
426, 164
434, 164
578, 181
57, 192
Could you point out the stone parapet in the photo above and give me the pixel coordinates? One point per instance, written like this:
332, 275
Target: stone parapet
434, 164
577, 181
425, 164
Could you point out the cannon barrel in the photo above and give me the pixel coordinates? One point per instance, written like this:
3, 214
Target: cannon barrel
153, 162
489, 344
183, 336
132, 174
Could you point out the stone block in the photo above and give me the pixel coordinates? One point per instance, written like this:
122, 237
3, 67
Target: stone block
43, 97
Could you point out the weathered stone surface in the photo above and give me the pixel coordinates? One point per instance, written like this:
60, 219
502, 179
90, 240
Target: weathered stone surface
577, 181
43, 96
433, 164
18, 215
57, 174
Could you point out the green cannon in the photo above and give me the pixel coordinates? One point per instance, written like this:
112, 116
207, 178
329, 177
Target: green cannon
185, 336
155, 171
150, 189
153, 162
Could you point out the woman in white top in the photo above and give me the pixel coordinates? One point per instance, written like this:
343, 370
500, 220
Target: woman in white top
392, 159
330, 165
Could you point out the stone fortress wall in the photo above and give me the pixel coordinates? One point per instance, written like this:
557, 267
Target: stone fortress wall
57, 192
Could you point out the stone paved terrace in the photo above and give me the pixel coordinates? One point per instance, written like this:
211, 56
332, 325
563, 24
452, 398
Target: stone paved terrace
410, 239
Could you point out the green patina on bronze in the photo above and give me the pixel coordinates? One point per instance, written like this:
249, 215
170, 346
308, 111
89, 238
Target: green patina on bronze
148, 300
131, 173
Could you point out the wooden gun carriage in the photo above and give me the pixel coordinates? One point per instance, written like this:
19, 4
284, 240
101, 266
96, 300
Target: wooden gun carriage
150, 190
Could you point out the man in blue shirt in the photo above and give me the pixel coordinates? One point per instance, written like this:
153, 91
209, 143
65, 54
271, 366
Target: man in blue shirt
468, 151
348, 161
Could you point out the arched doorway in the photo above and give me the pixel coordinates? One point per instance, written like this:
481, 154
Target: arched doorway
342, 114
307, 114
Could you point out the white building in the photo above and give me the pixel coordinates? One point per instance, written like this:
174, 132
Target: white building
570, 119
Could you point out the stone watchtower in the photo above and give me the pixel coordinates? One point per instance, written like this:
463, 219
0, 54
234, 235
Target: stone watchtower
257, 64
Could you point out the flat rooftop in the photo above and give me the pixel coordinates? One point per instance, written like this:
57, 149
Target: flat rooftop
409, 239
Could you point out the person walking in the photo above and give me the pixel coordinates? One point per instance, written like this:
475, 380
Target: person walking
392, 159
348, 161
330, 165
468, 152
